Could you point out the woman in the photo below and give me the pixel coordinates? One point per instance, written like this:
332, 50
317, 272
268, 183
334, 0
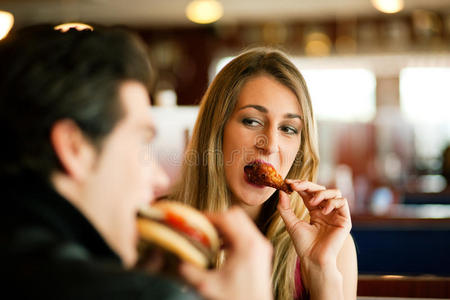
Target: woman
258, 108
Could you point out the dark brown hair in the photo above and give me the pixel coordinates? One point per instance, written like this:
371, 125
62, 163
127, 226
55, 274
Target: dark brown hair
48, 75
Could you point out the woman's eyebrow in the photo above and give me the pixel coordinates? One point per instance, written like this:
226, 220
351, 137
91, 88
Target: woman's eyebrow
293, 116
257, 107
264, 110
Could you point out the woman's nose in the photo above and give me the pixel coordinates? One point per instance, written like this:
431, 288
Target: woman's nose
267, 142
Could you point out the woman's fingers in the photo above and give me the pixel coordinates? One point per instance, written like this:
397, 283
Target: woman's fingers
287, 214
313, 194
284, 202
323, 195
317, 198
338, 205
305, 189
304, 186
333, 204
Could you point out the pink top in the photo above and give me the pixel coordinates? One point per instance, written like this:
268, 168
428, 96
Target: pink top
300, 292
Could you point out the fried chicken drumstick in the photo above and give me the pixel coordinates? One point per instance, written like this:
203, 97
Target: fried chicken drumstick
261, 173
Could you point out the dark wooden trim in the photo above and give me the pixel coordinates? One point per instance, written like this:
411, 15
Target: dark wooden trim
404, 286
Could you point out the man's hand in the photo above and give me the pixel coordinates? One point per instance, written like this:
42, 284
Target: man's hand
246, 273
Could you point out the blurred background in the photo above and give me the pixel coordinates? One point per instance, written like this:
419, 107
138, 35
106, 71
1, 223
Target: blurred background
379, 77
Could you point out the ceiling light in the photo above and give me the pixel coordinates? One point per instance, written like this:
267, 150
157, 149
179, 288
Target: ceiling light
6, 23
78, 26
388, 6
204, 11
317, 44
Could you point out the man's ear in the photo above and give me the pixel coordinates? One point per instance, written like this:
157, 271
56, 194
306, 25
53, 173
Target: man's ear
73, 149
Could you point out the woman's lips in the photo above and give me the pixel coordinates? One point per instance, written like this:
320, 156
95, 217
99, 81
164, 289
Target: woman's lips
260, 161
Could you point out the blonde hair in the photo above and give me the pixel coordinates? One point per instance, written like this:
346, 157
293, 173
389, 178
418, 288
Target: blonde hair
203, 182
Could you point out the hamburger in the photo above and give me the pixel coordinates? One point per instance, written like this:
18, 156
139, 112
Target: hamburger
180, 232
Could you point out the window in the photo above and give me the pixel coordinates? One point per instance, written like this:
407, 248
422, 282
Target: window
342, 94
425, 94
425, 102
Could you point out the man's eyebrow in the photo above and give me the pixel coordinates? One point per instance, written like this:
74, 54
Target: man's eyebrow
257, 107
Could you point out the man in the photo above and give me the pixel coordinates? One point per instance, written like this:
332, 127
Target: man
74, 110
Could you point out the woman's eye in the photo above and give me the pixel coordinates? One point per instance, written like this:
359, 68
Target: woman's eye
250, 122
289, 130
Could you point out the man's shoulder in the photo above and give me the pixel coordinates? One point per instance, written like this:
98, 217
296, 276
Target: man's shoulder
41, 266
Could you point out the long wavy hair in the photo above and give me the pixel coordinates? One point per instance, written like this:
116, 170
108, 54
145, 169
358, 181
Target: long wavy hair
203, 182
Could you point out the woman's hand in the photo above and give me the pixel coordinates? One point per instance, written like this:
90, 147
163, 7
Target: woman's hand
318, 242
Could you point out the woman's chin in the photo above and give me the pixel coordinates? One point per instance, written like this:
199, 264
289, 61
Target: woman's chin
256, 198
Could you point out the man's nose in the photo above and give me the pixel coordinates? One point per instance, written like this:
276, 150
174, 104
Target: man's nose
159, 180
